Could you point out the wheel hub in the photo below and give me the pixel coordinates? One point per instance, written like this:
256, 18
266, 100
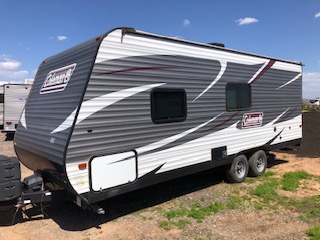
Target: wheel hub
240, 170
260, 164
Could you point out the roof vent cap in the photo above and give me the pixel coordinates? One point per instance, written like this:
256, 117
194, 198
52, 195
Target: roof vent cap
217, 44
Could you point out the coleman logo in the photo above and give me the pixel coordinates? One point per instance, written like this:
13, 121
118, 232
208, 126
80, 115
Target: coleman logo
57, 79
252, 120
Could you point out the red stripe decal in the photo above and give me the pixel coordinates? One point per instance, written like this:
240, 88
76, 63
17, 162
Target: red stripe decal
286, 116
133, 70
224, 122
269, 65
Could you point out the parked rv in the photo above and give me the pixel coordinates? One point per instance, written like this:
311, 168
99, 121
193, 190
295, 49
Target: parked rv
315, 103
14, 99
129, 109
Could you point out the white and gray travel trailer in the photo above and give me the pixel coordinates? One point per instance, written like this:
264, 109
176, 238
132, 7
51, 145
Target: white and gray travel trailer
129, 109
14, 99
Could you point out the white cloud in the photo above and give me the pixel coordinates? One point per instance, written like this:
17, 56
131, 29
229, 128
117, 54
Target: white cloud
9, 68
311, 84
317, 15
186, 23
246, 20
61, 38
9, 65
10, 82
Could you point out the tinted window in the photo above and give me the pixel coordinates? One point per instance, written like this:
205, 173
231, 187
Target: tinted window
168, 105
1, 97
238, 96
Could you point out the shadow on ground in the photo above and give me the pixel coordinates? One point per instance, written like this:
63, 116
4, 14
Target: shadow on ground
9, 137
72, 218
273, 161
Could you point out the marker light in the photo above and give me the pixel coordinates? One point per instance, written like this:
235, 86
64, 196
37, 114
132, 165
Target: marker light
82, 166
8, 123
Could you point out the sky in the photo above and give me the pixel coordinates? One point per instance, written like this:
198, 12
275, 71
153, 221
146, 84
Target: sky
31, 31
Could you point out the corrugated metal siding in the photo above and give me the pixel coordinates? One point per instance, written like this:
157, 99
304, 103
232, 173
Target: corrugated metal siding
15, 96
130, 61
45, 112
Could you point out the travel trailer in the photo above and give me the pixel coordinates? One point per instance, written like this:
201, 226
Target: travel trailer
14, 99
129, 109
315, 103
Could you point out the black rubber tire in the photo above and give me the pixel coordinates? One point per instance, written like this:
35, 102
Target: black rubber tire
258, 163
238, 170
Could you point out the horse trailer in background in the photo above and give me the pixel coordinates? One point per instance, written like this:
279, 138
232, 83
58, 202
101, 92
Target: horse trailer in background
14, 99
129, 109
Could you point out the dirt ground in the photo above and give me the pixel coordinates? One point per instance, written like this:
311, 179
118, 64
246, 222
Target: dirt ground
64, 220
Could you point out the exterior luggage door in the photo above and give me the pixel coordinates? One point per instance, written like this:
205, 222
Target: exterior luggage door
113, 170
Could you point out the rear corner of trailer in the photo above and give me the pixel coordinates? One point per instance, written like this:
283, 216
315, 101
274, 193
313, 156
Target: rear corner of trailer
289, 93
47, 120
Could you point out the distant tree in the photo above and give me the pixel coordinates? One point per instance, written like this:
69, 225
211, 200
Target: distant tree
306, 104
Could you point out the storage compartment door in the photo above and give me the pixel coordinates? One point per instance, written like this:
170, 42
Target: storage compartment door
113, 170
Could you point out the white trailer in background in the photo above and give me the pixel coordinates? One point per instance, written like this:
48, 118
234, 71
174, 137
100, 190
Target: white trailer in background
315, 103
14, 99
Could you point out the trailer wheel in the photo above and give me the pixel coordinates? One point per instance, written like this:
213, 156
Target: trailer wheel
238, 170
257, 163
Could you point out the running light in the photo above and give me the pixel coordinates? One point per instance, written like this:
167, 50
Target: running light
82, 166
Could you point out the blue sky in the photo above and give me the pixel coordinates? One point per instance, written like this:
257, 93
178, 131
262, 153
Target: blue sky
30, 31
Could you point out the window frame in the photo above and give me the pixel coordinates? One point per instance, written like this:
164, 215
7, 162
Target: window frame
153, 103
238, 97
